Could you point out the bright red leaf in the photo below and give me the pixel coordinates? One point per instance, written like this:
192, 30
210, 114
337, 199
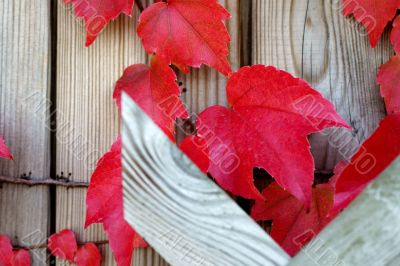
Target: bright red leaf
271, 115
155, 90
88, 255
104, 205
6, 251
187, 33
4, 152
374, 156
98, 13
63, 245
21, 257
395, 35
389, 79
373, 14
292, 224
196, 149
8, 257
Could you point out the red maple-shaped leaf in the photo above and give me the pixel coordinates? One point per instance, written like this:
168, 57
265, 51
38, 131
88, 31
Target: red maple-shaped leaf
395, 35
293, 225
389, 79
104, 205
21, 257
63, 245
98, 13
373, 157
6, 251
187, 33
4, 152
267, 125
196, 149
373, 14
155, 90
88, 255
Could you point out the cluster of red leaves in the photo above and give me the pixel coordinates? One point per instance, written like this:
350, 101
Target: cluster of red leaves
10, 257
293, 225
270, 116
171, 29
64, 246
4, 152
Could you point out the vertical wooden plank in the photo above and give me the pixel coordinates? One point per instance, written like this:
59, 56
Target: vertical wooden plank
205, 87
87, 117
311, 39
24, 90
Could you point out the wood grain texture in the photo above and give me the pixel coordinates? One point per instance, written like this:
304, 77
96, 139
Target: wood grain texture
87, 117
311, 39
24, 88
367, 233
205, 87
182, 213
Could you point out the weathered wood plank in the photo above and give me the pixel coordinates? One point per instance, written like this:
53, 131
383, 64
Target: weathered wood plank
205, 87
367, 233
87, 117
24, 90
311, 39
182, 213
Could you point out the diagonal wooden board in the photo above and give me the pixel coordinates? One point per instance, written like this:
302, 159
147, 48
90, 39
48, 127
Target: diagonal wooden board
366, 233
185, 216
189, 220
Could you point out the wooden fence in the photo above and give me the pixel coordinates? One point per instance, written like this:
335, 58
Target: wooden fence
57, 114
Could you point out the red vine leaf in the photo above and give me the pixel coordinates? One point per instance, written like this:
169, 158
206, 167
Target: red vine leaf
389, 79
196, 149
21, 257
395, 35
88, 255
98, 13
6, 251
104, 205
4, 152
63, 245
373, 157
187, 33
267, 125
155, 90
373, 14
292, 224
8, 257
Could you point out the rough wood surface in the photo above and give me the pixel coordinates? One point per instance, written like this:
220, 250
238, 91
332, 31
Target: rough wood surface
87, 117
312, 40
204, 87
24, 88
182, 213
367, 233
